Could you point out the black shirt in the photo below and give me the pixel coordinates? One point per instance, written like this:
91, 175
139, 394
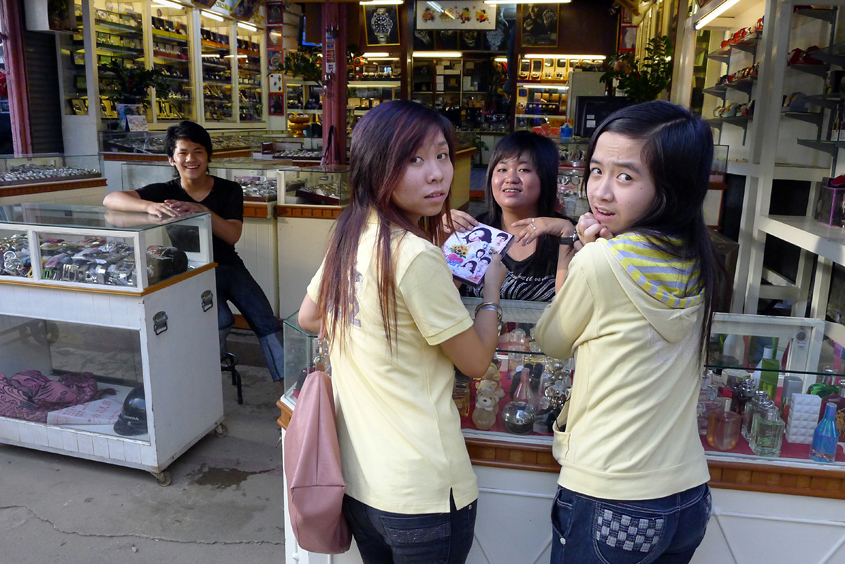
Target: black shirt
531, 279
226, 199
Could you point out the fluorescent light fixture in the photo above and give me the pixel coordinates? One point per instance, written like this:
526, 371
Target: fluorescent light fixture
212, 15
527, 1
571, 57
715, 13
236, 56
381, 2
438, 54
211, 55
167, 4
375, 55
247, 26
501, 60
437, 7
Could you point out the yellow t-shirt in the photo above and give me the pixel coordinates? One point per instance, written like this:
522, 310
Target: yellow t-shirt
399, 430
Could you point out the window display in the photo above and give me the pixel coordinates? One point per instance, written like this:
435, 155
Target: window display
171, 53
217, 68
251, 108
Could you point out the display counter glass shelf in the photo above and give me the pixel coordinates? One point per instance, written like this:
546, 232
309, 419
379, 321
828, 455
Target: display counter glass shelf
96, 248
152, 142
315, 185
171, 53
43, 168
72, 63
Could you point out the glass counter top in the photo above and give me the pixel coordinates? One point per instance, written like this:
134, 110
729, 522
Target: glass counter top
92, 217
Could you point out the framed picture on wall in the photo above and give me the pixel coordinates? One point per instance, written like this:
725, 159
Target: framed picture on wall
382, 25
627, 38
275, 13
540, 25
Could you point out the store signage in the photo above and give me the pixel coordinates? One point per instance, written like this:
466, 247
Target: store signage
456, 15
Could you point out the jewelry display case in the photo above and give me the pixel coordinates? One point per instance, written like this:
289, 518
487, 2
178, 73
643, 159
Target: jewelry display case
74, 83
51, 178
132, 251
315, 185
250, 98
217, 64
513, 461
88, 368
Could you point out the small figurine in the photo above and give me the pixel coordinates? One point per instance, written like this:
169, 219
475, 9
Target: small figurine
486, 409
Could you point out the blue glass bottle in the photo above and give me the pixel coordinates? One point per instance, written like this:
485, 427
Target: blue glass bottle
825, 437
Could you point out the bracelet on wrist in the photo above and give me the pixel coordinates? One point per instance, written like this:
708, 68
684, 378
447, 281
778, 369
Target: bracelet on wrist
491, 306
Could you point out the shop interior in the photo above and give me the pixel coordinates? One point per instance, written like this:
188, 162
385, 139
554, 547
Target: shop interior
281, 86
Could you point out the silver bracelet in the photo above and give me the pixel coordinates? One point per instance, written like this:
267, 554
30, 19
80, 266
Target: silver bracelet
490, 305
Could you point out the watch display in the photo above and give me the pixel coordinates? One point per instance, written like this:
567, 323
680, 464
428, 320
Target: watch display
381, 24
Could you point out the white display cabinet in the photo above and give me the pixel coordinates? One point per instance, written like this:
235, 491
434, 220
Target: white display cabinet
99, 343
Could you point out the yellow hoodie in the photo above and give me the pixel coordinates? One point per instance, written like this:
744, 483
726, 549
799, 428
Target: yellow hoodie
628, 316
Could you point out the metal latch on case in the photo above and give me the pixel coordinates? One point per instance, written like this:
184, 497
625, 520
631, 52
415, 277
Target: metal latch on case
207, 300
160, 322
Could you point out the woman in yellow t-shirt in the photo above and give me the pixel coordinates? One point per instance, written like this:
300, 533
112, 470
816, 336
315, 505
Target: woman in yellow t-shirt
396, 326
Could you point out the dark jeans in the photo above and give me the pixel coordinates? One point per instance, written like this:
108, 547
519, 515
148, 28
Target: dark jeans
235, 284
430, 538
665, 530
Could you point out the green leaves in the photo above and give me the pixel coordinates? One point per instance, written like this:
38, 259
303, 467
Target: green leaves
131, 84
643, 79
302, 64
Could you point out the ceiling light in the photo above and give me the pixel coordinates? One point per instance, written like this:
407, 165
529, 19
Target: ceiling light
715, 13
236, 56
212, 15
501, 60
375, 55
247, 26
167, 4
438, 54
381, 2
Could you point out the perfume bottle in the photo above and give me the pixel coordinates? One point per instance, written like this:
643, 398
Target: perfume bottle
741, 395
825, 437
837, 399
750, 409
767, 373
723, 427
767, 431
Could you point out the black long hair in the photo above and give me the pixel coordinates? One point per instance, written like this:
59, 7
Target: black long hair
677, 149
543, 153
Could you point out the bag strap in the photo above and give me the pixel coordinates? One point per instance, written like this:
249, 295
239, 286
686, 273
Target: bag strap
322, 349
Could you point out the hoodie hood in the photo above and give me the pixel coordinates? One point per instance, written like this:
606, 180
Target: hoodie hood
665, 289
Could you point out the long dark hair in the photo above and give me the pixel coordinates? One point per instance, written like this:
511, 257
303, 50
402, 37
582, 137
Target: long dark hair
678, 152
543, 153
383, 143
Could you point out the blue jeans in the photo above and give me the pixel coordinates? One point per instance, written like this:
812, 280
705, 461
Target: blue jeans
235, 284
430, 538
665, 530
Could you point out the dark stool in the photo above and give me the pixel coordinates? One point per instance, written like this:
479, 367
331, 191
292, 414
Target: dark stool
228, 363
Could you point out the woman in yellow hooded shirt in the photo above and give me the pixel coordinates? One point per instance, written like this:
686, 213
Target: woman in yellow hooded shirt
634, 310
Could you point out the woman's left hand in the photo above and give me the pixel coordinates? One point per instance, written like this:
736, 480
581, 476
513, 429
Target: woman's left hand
185, 208
535, 226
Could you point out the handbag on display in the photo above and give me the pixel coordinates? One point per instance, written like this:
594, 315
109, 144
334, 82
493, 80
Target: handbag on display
315, 485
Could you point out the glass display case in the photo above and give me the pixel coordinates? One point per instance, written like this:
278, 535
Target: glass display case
172, 54
86, 370
303, 107
152, 142
118, 37
85, 247
250, 97
42, 168
217, 61
315, 185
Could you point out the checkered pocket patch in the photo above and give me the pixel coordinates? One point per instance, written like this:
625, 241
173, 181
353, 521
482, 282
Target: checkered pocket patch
626, 532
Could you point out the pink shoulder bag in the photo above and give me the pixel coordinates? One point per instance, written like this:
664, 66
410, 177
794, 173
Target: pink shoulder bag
315, 483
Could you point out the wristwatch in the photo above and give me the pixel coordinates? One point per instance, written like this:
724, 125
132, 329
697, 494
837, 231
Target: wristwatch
569, 240
382, 24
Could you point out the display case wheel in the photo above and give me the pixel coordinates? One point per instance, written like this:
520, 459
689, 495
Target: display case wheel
163, 478
221, 430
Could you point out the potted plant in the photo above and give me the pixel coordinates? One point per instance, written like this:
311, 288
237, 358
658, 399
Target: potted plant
130, 86
642, 79
302, 64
